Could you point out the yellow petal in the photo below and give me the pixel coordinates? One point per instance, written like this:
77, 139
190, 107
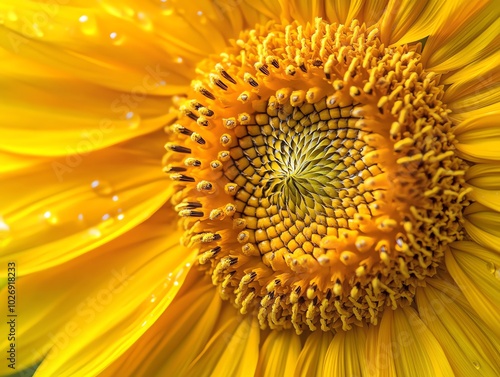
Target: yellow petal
93, 308
470, 34
342, 12
476, 271
416, 350
311, 359
11, 162
469, 347
379, 350
40, 121
372, 11
89, 42
479, 95
478, 138
60, 209
346, 354
483, 178
472, 78
232, 351
483, 226
279, 354
256, 11
176, 339
473, 114
303, 11
409, 21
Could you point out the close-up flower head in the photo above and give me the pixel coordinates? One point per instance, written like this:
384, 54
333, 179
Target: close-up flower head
269, 188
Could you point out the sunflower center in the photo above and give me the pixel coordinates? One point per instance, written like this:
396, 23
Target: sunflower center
316, 174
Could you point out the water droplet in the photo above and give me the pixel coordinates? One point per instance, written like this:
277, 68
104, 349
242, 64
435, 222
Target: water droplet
95, 233
144, 323
176, 283
88, 25
116, 38
105, 217
153, 298
476, 365
101, 188
80, 217
144, 21
134, 120
199, 13
179, 60
4, 232
50, 218
491, 267
120, 216
115, 198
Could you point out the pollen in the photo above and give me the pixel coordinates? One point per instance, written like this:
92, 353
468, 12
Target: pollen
316, 174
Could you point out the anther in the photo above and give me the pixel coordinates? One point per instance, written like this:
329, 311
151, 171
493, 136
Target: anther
205, 186
249, 79
177, 148
198, 87
181, 178
219, 68
187, 205
187, 113
190, 213
192, 162
170, 169
205, 111
215, 79
197, 138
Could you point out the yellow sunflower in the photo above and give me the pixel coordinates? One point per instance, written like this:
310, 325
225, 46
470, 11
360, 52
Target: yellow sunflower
329, 202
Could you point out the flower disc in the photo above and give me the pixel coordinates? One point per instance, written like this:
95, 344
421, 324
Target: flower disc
317, 174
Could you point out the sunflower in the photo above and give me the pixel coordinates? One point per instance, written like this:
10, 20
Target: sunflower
329, 201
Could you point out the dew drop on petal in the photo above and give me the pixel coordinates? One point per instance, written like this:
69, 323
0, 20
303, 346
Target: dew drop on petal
144, 21
88, 25
476, 365
133, 119
116, 39
95, 233
101, 188
4, 232
115, 198
153, 298
166, 7
50, 218
491, 267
